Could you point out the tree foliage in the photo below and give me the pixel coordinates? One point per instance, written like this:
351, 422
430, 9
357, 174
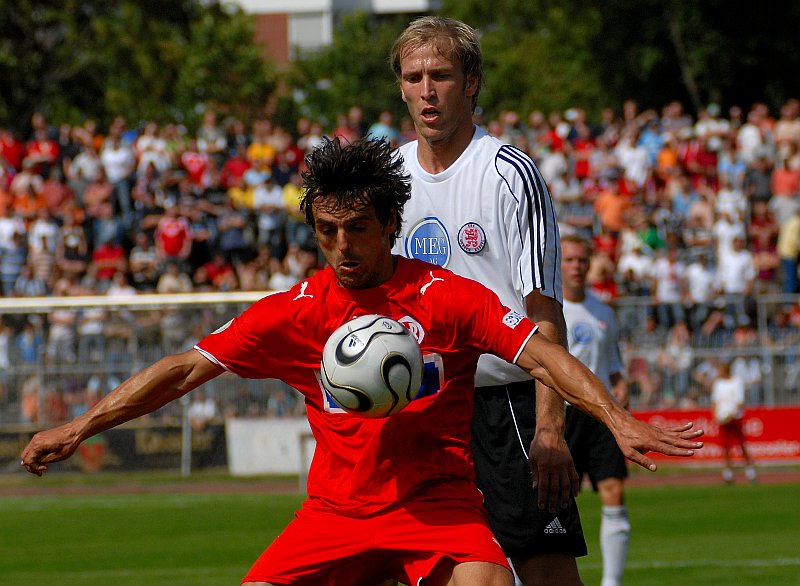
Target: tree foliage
353, 70
146, 59
168, 59
571, 52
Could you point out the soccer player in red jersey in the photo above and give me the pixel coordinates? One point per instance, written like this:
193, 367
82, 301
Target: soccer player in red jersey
389, 498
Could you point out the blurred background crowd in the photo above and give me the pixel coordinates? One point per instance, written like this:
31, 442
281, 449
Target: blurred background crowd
693, 220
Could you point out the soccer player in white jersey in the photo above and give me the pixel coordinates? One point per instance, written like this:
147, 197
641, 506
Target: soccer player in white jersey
482, 209
593, 333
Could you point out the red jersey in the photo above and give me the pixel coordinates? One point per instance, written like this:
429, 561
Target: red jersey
171, 235
362, 465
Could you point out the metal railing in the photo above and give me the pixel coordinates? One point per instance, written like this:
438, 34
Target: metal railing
55, 373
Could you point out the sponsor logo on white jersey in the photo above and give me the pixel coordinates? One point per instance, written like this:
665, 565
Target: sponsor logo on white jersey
471, 238
428, 240
512, 319
555, 527
582, 333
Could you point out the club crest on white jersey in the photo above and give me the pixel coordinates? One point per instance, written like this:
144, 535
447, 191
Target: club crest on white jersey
471, 238
428, 240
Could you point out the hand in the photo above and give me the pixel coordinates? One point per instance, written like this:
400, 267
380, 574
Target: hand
636, 438
46, 447
553, 470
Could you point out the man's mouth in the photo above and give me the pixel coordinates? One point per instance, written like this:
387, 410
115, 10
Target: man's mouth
349, 264
429, 113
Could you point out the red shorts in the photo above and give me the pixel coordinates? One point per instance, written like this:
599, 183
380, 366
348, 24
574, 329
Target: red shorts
323, 548
731, 434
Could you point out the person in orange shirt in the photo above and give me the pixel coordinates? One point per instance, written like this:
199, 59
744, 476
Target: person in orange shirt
27, 204
611, 206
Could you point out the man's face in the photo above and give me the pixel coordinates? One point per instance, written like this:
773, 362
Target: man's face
574, 266
438, 95
354, 244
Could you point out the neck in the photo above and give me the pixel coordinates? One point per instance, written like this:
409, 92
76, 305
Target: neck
436, 156
575, 295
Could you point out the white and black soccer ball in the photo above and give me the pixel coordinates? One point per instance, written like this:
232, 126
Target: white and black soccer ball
372, 366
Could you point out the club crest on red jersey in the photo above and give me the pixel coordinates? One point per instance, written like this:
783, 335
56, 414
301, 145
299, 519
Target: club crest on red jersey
414, 327
471, 238
512, 319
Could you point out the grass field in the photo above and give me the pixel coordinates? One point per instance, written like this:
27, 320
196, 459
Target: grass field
707, 535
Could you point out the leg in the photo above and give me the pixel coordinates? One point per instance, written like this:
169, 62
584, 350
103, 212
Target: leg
548, 569
471, 574
542, 545
615, 530
727, 472
749, 470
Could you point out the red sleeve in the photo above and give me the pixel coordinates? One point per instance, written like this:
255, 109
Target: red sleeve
482, 320
262, 342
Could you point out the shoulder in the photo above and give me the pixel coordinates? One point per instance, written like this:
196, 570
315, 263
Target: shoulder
425, 273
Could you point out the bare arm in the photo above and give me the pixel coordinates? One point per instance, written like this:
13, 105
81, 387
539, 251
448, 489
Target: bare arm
557, 368
551, 462
152, 388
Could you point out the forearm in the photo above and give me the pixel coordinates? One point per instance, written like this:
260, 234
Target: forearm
551, 364
145, 392
549, 404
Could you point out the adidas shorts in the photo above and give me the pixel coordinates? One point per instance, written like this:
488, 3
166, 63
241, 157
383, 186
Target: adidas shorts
502, 431
405, 542
594, 449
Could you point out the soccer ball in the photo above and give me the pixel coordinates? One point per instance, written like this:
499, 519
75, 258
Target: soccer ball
372, 366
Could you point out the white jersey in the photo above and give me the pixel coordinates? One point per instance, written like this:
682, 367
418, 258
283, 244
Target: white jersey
727, 396
593, 334
488, 217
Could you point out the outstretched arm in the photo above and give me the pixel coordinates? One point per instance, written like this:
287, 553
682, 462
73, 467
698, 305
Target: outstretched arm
557, 368
152, 388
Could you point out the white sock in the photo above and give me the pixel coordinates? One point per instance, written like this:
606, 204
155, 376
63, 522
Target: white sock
615, 532
750, 472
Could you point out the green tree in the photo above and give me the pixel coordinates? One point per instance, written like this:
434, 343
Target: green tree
537, 55
698, 52
223, 67
570, 52
145, 59
353, 70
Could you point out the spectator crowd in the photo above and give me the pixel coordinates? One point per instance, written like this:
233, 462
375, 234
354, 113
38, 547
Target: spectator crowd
697, 214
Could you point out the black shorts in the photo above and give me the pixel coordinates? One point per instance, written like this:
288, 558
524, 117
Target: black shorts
502, 431
593, 447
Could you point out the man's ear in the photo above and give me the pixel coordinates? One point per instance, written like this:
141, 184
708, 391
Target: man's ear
471, 85
391, 224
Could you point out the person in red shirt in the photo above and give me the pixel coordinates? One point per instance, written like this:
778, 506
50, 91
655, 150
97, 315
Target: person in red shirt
41, 153
12, 150
390, 498
234, 167
173, 235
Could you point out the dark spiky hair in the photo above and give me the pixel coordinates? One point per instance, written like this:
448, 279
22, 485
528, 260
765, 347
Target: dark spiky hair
366, 173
